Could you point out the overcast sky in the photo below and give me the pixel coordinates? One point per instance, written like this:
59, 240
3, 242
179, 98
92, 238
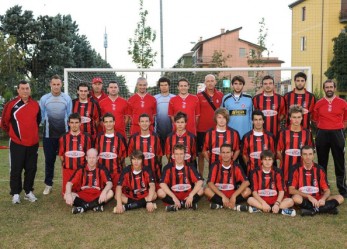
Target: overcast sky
184, 22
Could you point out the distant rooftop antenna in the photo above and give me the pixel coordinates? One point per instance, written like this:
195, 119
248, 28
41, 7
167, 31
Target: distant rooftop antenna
105, 44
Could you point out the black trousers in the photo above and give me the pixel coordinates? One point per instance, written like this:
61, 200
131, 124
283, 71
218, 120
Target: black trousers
334, 140
22, 157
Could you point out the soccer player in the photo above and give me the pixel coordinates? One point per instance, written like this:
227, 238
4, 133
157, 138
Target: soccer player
148, 142
290, 141
20, 120
240, 107
181, 136
116, 105
136, 186
163, 124
330, 115
72, 148
187, 103
141, 102
97, 93
221, 134
90, 187
300, 96
55, 108
209, 100
256, 141
227, 183
309, 187
181, 184
111, 146
268, 188
271, 104
88, 110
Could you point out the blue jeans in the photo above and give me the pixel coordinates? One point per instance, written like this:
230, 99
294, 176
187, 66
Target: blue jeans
50, 149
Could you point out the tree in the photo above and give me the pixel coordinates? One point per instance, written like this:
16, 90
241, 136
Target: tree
140, 46
338, 64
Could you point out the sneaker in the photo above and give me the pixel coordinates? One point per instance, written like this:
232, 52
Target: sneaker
243, 208
77, 210
99, 208
308, 212
253, 210
48, 190
289, 212
16, 199
30, 197
215, 206
170, 208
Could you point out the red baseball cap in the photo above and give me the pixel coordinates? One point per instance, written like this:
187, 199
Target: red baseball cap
97, 80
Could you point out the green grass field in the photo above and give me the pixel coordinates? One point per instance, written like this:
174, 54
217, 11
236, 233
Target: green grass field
48, 223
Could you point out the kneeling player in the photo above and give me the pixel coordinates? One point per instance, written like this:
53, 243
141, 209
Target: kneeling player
268, 188
223, 178
181, 184
94, 186
136, 186
309, 186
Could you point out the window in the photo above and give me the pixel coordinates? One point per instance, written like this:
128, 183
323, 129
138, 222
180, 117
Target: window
303, 13
242, 52
302, 43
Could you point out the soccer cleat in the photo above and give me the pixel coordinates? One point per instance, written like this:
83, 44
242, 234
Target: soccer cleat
332, 211
170, 208
194, 206
16, 199
99, 208
308, 212
253, 210
48, 190
243, 208
77, 210
215, 206
30, 197
289, 212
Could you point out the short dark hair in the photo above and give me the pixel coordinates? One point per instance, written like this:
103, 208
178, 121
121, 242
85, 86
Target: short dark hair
300, 75
238, 78
108, 115
307, 147
83, 85
183, 79
22, 82
164, 79
179, 147
75, 115
144, 115
112, 82
267, 77
225, 145
267, 153
258, 113
55, 77
329, 81
180, 115
137, 154
295, 109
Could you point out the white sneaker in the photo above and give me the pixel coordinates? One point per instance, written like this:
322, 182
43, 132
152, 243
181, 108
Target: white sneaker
289, 212
16, 199
30, 197
48, 190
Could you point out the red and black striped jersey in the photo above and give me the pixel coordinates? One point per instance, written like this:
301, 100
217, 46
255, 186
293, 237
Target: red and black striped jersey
252, 146
289, 143
273, 108
112, 151
135, 185
187, 139
150, 147
306, 100
226, 178
90, 114
312, 182
73, 149
180, 180
214, 140
267, 184
85, 178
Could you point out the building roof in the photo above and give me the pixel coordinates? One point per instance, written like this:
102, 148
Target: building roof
295, 3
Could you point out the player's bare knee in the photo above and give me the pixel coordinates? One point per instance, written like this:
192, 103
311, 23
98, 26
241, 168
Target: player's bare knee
161, 194
297, 199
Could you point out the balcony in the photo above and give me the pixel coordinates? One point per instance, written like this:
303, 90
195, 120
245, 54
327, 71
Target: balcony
202, 60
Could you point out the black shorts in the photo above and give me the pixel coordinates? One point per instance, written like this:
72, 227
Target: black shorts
200, 139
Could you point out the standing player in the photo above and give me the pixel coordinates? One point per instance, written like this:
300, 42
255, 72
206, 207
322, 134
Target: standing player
88, 110
271, 104
72, 148
139, 103
20, 119
136, 187
163, 124
187, 103
116, 105
90, 187
111, 146
240, 107
222, 134
310, 188
268, 188
290, 141
148, 142
300, 96
97, 93
209, 100
55, 107
181, 136
181, 184
256, 141
227, 183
